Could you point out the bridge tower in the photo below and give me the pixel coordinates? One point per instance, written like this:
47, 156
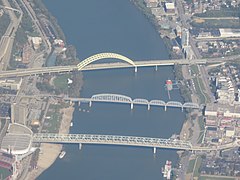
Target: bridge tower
149, 106
154, 150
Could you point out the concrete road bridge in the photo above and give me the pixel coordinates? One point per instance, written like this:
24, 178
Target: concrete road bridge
124, 141
86, 65
118, 98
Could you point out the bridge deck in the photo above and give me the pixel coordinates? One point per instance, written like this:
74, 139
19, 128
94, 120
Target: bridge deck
113, 140
123, 140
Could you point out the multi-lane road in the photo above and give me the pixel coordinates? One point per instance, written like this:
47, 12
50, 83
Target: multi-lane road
7, 40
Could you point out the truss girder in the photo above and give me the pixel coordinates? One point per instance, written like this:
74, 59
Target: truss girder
113, 140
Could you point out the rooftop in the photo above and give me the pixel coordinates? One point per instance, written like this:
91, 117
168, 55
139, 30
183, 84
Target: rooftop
19, 144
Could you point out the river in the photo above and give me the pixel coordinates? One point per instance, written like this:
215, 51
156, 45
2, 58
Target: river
95, 26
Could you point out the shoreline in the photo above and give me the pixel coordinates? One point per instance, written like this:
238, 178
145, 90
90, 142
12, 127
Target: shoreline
50, 152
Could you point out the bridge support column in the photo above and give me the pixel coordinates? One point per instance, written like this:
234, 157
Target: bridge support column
135, 69
79, 103
156, 68
165, 108
80, 146
148, 106
154, 150
131, 106
90, 103
182, 109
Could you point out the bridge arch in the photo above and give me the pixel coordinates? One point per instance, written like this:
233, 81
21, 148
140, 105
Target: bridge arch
191, 105
174, 104
100, 56
157, 103
111, 98
140, 101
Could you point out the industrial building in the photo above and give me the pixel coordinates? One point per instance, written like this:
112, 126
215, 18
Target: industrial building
229, 32
222, 110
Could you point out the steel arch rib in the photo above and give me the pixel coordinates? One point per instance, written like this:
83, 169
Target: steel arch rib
100, 56
113, 97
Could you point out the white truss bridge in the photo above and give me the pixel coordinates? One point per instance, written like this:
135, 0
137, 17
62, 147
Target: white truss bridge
118, 98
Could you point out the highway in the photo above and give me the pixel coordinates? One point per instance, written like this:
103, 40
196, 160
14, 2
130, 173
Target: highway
7, 40
112, 65
100, 66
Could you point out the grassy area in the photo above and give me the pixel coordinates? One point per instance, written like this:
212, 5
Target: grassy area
4, 173
191, 166
202, 128
217, 23
60, 82
203, 177
198, 162
194, 69
234, 12
199, 92
53, 123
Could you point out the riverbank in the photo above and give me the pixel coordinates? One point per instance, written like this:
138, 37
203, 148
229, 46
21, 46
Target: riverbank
140, 4
49, 152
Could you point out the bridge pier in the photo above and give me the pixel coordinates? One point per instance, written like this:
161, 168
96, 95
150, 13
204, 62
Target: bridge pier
156, 68
90, 103
80, 146
165, 108
135, 69
182, 108
154, 150
149, 107
131, 106
79, 103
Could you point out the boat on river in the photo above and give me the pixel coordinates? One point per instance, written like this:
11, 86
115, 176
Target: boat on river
167, 170
62, 154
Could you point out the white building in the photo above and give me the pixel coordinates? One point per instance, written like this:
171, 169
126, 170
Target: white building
36, 41
227, 32
11, 84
